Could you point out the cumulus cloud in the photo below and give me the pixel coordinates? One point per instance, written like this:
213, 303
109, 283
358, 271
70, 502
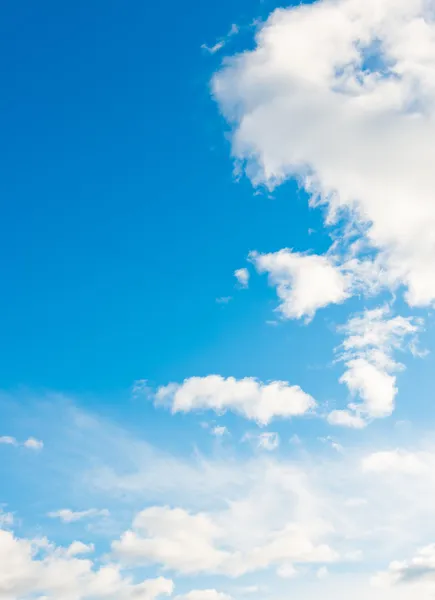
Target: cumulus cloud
367, 351
273, 523
196, 543
341, 95
35, 566
304, 282
269, 511
346, 418
70, 516
252, 399
419, 569
33, 444
242, 276
174, 537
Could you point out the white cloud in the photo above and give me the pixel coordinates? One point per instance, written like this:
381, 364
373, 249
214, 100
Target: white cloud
234, 29
371, 339
337, 93
78, 548
34, 566
174, 537
305, 508
287, 571
70, 516
252, 399
33, 444
242, 276
195, 543
219, 431
271, 521
398, 461
420, 569
250, 589
268, 440
215, 48
6, 519
8, 440
304, 282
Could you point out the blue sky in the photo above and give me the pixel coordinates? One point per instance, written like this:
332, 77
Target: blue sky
115, 154
149, 152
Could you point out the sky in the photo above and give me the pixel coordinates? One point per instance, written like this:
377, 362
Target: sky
217, 250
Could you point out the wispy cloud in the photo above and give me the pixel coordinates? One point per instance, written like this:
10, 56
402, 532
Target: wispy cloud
70, 516
234, 30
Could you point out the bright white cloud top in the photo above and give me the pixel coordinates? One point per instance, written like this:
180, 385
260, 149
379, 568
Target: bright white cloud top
34, 566
242, 276
304, 283
341, 95
254, 400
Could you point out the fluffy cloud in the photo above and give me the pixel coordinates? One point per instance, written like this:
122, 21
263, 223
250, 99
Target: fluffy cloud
29, 567
242, 276
346, 418
398, 461
70, 516
33, 444
273, 523
304, 282
367, 351
174, 537
252, 399
305, 508
196, 543
418, 570
341, 95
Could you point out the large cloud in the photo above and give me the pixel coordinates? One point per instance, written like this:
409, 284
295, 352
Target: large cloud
248, 397
30, 566
198, 543
419, 572
341, 94
237, 515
